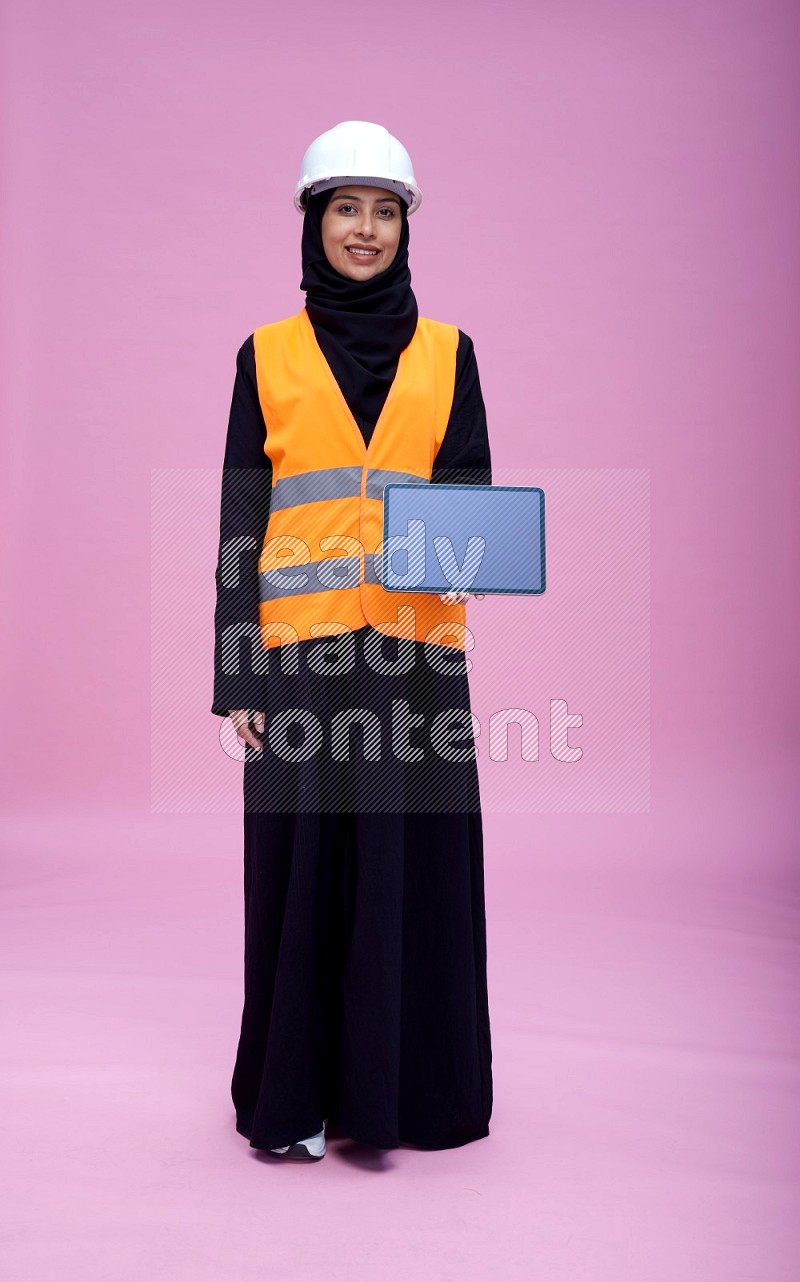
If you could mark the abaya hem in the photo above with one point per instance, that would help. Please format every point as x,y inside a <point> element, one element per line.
<point>243,1128</point>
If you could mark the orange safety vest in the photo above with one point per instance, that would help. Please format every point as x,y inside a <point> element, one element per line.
<point>317,574</point>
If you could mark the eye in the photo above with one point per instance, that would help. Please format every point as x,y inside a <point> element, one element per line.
<point>387,209</point>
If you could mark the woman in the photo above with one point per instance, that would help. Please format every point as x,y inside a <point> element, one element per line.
<point>365,995</point>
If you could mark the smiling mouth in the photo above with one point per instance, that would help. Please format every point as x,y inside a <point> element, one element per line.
<point>361,253</point>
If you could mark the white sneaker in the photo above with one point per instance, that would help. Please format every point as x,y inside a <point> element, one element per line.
<point>310,1150</point>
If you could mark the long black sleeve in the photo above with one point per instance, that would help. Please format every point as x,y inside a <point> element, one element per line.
<point>464,457</point>
<point>244,512</point>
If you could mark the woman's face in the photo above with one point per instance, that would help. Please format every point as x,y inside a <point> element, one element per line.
<point>361,218</point>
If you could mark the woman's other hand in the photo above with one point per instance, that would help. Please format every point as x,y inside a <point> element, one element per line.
<point>458,598</point>
<point>241,718</point>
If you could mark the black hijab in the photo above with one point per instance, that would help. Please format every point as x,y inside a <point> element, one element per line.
<point>361,326</point>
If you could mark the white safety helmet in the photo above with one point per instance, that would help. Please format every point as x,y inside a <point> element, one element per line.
<point>356,151</point>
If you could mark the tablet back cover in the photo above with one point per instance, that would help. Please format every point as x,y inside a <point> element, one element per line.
<point>471,538</point>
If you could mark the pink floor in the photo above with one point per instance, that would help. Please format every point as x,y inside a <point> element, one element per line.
<point>643,981</point>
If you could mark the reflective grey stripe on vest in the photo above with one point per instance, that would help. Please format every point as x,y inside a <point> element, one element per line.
<point>335,483</point>
<point>314,487</point>
<point>369,568</point>
<point>377,477</point>
<point>315,576</point>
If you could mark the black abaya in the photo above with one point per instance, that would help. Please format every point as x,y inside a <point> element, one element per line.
<point>365,992</point>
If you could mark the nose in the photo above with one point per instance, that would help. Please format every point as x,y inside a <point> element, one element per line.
<point>365,226</point>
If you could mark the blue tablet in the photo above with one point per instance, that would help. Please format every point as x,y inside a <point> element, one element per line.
<point>467,538</point>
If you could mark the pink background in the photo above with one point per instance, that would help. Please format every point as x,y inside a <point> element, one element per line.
<point>610,210</point>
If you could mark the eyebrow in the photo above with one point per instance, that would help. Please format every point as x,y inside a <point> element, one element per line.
<point>378,200</point>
